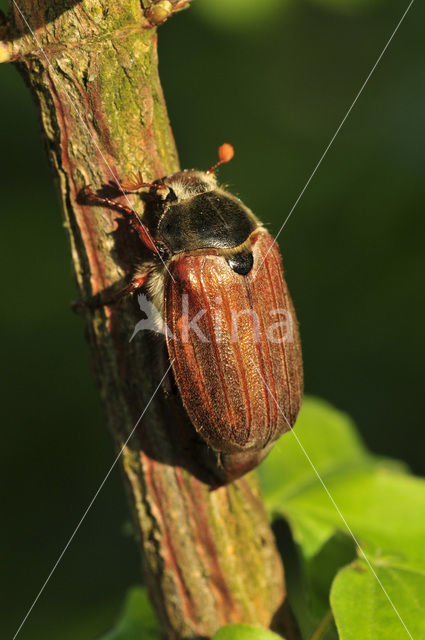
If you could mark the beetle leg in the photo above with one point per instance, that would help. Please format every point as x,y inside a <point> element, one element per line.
<point>134,285</point>
<point>143,233</point>
<point>88,194</point>
<point>98,301</point>
<point>134,219</point>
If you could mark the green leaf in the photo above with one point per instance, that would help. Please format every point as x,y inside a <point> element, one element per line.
<point>376,499</point>
<point>327,433</point>
<point>137,621</point>
<point>320,571</point>
<point>322,480</point>
<point>362,610</point>
<point>244,632</point>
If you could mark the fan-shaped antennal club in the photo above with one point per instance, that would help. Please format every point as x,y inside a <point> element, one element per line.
<point>137,183</point>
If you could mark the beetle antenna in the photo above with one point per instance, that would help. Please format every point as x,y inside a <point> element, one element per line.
<point>137,183</point>
<point>225,154</point>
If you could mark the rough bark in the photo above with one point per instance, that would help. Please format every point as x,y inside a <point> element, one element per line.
<point>208,553</point>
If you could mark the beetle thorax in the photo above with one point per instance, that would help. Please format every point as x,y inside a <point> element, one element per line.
<point>202,215</point>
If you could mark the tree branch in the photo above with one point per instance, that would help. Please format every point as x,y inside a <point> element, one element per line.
<point>209,557</point>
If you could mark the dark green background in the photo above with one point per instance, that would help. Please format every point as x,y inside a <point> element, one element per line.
<point>276,86</point>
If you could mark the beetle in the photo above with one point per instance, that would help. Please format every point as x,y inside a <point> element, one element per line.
<point>236,363</point>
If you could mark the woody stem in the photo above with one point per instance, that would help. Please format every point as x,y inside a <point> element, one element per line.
<point>209,556</point>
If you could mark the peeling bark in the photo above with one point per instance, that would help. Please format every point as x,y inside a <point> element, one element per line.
<point>209,556</point>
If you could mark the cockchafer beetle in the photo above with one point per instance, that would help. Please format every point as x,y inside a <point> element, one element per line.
<point>237,363</point>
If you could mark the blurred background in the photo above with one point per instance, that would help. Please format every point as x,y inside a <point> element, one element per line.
<point>274,78</point>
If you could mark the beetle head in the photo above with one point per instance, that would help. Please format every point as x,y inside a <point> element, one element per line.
<point>186,184</point>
